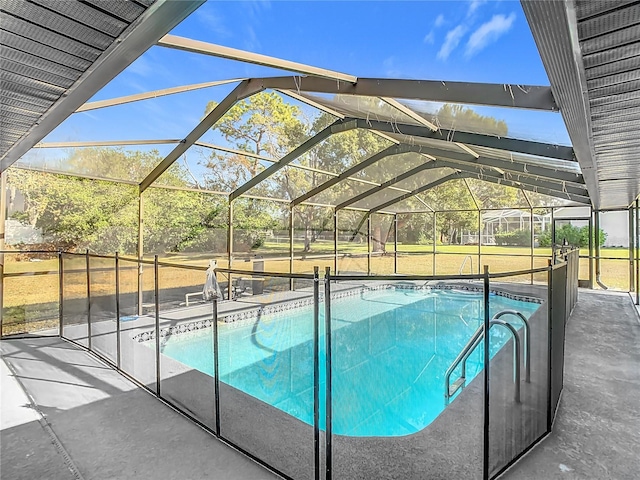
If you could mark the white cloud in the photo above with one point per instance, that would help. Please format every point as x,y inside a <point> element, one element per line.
<point>474,5</point>
<point>251,40</point>
<point>451,41</point>
<point>390,67</point>
<point>439,21</point>
<point>213,21</point>
<point>429,38</point>
<point>488,33</point>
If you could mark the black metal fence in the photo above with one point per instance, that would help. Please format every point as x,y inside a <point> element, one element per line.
<point>284,375</point>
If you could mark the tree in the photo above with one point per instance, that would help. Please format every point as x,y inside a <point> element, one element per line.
<point>491,195</point>
<point>457,207</point>
<point>262,124</point>
<point>265,125</point>
<point>458,117</point>
<point>78,213</point>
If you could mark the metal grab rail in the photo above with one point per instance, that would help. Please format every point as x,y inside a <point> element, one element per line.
<point>475,340</point>
<point>464,262</point>
<point>527,339</point>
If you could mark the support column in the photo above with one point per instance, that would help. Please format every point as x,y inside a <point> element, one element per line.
<point>3,216</point>
<point>532,240</point>
<point>596,237</point>
<point>553,235</point>
<point>140,250</point>
<point>637,252</point>
<point>291,207</point>
<point>230,249</point>
<point>368,244</point>
<point>435,240</point>
<point>395,243</point>
<point>590,250</point>
<point>335,242</point>
<point>632,282</point>
<point>479,238</point>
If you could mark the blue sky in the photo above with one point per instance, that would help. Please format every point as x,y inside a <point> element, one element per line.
<point>475,41</point>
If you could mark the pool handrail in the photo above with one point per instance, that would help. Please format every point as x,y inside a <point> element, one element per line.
<point>526,342</point>
<point>470,347</point>
<point>464,262</point>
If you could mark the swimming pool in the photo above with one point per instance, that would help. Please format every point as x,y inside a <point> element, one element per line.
<point>390,351</point>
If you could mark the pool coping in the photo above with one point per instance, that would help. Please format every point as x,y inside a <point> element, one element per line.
<point>250,315</point>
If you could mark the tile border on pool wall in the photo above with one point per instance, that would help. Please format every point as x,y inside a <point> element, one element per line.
<point>240,319</point>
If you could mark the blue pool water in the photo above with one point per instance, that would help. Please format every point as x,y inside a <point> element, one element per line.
<point>391,349</point>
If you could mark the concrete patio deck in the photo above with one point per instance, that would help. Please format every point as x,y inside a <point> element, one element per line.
<point>81,419</point>
<point>84,420</point>
<point>597,430</point>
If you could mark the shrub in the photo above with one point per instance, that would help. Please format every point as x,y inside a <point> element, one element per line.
<point>575,236</point>
<point>520,238</point>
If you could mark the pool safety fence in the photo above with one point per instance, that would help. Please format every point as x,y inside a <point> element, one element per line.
<point>294,357</point>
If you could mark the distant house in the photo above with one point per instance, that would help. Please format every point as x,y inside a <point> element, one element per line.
<point>504,221</point>
<point>16,233</point>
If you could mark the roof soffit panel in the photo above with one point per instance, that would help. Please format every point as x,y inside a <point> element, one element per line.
<point>554,29</point>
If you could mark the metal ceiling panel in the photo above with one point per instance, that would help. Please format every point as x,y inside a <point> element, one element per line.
<point>607,22</point>
<point>615,99</point>
<point>27,59</point>
<point>15,105</point>
<point>608,56</point>
<point>612,68</point>
<point>610,40</point>
<point>632,108</point>
<point>36,74</point>
<point>45,88</point>
<point>43,17</point>
<point>123,9</point>
<point>43,36</point>
<point>599,7</point>
<point>616,89</point>
<point>39,50</point>
<point>9,89</point>
<point>90,17</point>
<point>609,81</point>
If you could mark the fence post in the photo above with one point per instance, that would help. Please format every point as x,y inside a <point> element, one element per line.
<point>89,332</point>
<point>157,325</point>
<point>60,295</point>
<point>216,365</point>
<point>549,342</point>
<point>118,326</point>
<point>316,373</point>
<point>328,412</point>
<point>486,326</point>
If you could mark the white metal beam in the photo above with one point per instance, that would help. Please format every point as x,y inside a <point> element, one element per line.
<point>196,46</point>
<point>154,94</point>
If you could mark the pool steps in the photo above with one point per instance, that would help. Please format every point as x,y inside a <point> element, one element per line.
<point>461,360</point>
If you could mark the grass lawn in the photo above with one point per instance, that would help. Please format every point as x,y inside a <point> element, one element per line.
<point>32,299</point>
